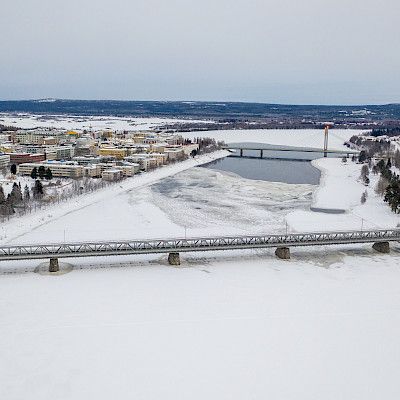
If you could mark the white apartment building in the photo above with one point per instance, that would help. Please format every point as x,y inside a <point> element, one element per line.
<point>60,153</point>
<point>62,170</point>
<point>112,174</point>
<point>4,160</point>
<point>37,136</point>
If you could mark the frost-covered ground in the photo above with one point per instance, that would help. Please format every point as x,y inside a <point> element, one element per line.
<point>234,325</point>
<point>27,121</point>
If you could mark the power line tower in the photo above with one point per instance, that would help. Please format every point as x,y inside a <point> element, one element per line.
<point>326,141</point>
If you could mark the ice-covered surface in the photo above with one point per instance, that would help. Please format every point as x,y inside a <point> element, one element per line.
<point>189,202</point>
<point>27,121</point>
<point>313,138</point>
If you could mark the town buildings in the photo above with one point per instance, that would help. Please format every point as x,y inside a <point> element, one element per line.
<point>108,155</point>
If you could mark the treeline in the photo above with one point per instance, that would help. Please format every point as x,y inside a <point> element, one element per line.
<point>18,198</point>
<point>37,196</point>
<point>385,132</point>
<point>207,145</point>
<point>371,146</point>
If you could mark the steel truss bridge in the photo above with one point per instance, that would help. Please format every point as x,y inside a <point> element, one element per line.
<point>130,247</point>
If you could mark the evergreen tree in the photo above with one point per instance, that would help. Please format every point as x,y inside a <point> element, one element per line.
<point>27,194</point>
<point>362,156</point>
<point>49,174</point>
<point>392,195</point>
<point>13,169</point>
<point>15,196</point>
<point>38,190</point>
<point>364,197</point>
<point>34,173</point>
<point>42,171</point>
<point>380,165</point>
<point>2,197</point>
<point>389,164</point>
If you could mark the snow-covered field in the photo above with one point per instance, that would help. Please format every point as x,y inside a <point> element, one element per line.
<point>235,325</point>
<point>27,121</point>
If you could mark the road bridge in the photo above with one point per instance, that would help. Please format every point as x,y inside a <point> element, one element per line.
<point>174,246</point>
<point>262,150</point>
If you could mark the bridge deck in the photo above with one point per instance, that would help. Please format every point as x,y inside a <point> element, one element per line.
<point>297,150</point>
<point>111,248</point>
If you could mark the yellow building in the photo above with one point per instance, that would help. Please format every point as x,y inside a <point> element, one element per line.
<point>113,152</point>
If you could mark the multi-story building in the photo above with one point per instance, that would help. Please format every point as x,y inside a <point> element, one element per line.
<point>112,174</point>
<point>20,158</point>
<point>60,153</point>
<point>4,160</point>
<point>174,153</point>
<point>118,153</point>
<point>92,171</point>
<point>62,170</point>
<point>38,136</point>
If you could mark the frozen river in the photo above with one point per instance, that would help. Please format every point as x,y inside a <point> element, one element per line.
<point>275,166</point>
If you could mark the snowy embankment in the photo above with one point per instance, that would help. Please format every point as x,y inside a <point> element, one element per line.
<point>18,226</point>
<point>340,190</point>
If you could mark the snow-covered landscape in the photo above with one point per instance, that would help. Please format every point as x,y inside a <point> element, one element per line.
<point>80,123</point>
<point>225,325</point>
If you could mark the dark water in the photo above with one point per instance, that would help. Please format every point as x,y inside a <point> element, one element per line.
<point>276,166</point>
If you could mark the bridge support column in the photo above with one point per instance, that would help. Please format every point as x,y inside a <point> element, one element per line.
<point>54,267</point>
<point>381,247</point>
<point>174,259</point>
<point>283,253</point>
<point>261,153</point>
<point>241,152</point>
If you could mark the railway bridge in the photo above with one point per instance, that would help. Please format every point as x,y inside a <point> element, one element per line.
<point>174,246</point>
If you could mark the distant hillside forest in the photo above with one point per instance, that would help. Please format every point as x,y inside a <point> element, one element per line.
<point>390,132</point>
<point>231,114</point>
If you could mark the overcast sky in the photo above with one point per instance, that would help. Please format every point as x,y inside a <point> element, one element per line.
<point>276,51</point>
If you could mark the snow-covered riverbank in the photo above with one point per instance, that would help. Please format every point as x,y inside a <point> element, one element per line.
<point>341,189</point>
<point>18,226</point>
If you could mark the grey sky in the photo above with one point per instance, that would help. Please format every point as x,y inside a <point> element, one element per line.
<point>281,51</point>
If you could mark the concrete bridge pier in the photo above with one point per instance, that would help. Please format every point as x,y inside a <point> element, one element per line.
<point>261,153</point>
<point>381,247</point>
<point>174,259</point>
<point>241,152</point>
<point>53,266</point>
<point>283,253</point>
